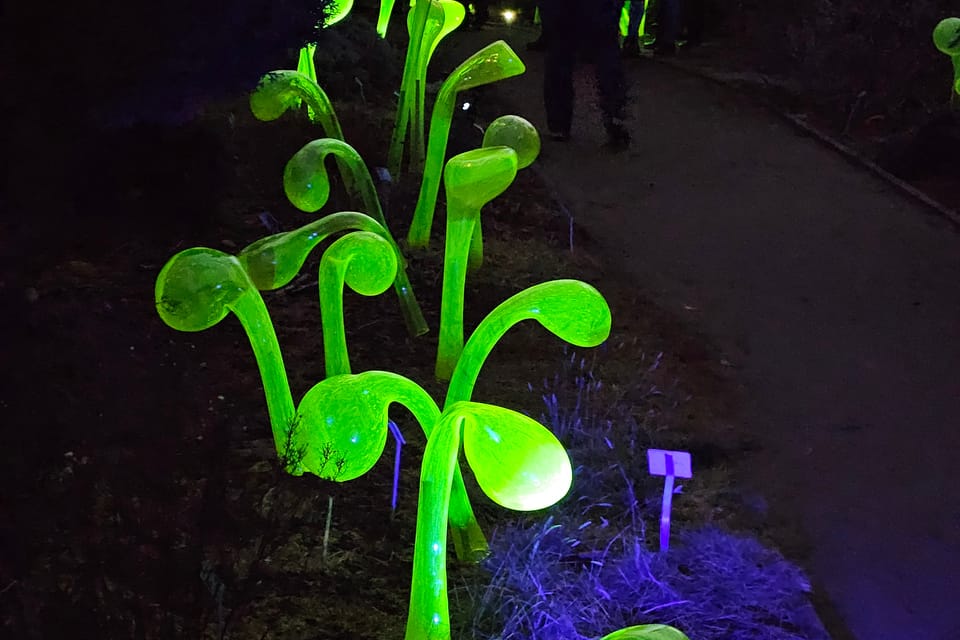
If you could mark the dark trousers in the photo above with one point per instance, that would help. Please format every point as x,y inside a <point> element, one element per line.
<point>568,31</point>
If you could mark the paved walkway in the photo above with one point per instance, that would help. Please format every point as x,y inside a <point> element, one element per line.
<point>834,295</point>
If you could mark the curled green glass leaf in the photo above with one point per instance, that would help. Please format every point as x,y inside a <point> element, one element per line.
<point>946,36</point>
<point>196,287</point>
<point>518,134</point>
<point>572,310</point>
<point>517,461</point>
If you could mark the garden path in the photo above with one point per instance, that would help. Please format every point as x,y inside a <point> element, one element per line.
<point>832,294</point>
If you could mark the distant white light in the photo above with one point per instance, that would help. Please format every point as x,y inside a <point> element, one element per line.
<point>509,15</point>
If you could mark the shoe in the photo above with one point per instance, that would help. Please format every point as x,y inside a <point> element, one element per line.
<point>631,48</point>
<point>537,45</point>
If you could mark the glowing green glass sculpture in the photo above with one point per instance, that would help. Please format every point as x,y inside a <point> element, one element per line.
<point>517,462</point>
<point>444,17</point>
<point>494,62</point>
<point>572,310</point>
<point>342,429</point>
<point>281,90</point>
<point>197,288</point>
<point>518,134</point>
<point>647,632</point>
<point>472,179</point>
<point>307,185</point>
<point>946,37</point>
<point>421,14</point>
<point>274,261</point>
<point>366,263</point>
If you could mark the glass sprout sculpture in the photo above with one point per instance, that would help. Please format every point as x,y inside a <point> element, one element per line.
<point>307,185</point>
<point>494,62</point>
<point>946,37</point>
<point>472,179</point>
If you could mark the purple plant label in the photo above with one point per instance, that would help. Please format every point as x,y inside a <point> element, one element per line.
<point>661,461</point>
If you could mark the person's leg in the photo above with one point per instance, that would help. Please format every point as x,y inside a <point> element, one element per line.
<point>560,33</point>
<point>668,26</point>
<point>611,84</point>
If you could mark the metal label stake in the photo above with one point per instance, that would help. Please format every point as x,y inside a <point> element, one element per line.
<point>671,464</point>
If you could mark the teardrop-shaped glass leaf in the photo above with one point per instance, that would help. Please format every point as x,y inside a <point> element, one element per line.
<point>647,632</point>
<point>516,460</point>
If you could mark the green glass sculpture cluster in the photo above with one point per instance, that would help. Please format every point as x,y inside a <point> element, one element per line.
<point>340,425</point>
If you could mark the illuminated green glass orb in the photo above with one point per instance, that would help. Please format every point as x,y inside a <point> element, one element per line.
<point>196,286</point>
<point>305,178</point>
<point>946,36</point>
<point>342,425</point>
<point>518,134</point>
<point>516,460</point>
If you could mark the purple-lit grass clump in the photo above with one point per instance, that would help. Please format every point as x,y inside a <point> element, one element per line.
<point>589,568</point>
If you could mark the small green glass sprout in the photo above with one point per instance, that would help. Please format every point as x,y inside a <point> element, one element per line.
<point>946,37</point>
<point>197,288</point>
<point>494,62</point>
<point>518,134</point>
<point>472,179</point>
<point>343,420</point>
<point>647,632</point>
<point>307,185</point>
<point>366,263</point>
<point>517,462</point>
<point>572,310</point>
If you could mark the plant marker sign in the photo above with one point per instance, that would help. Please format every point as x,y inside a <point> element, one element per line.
<point>671,464</point>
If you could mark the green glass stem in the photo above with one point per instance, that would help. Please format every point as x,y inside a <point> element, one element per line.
<point>383,18</point>
<point>429,614</point>
<point>197,288</point>
<point>307,186</point>
<point>421,12</point>
<point>570,309</point>
<point>459,234</point>
<point>365,262</point>
<point>475,255</point>
<point>494,62</point>
<point>472,179</point>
